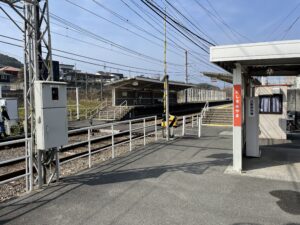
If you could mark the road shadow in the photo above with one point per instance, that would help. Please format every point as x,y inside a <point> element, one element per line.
<point>288,201</point>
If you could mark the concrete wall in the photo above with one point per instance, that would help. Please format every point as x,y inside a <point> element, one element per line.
<point>273,126</point>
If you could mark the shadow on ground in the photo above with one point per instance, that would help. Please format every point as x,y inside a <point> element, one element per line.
<point>288,201</point>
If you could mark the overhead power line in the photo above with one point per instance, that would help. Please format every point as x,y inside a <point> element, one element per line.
<point>162,15</point>
<point>95,59</point>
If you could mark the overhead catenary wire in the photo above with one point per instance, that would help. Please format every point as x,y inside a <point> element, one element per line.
<point>96,59</point>
<point>161,14</point>
<point>137,55</point>
<point>282,21</point>
<point>104,40</point>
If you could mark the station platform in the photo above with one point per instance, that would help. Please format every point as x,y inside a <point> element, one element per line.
<point>179,182</point>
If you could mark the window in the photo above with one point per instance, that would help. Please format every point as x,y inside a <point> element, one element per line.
<point>54,93</point>
<point>270,104</point>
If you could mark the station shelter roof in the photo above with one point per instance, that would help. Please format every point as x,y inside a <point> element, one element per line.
<point>227,77</point>
<point>143,83</point>
<point>279,58</point>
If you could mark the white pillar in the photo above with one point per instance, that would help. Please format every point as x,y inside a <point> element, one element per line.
<point>113,96</point>
<point>237,118</point>
<point>77,103</point>
<point>298,82</point>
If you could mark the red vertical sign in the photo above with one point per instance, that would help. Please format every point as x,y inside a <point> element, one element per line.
<point>237,105</point>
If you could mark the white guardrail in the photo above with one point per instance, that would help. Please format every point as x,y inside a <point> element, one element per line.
<point>193,123</point>
<point>144,125</point>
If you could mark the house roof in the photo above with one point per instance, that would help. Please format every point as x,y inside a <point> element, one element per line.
<point>10,68</point>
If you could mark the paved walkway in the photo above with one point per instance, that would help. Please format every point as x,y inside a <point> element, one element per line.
<point>182,182</point>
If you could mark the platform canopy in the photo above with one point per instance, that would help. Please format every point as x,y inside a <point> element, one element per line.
<point>143,83</point>
<point>226,77</point>
<point>280,58</point>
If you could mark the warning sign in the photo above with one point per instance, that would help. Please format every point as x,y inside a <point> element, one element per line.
<point>237,105</point>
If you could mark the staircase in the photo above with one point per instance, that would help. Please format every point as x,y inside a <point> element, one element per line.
<point>113,113</point>
<point>218,116</point>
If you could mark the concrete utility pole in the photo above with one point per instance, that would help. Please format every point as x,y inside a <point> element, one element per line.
<point>186,67</point>
<point>166,81</point>
<point>186,75</point>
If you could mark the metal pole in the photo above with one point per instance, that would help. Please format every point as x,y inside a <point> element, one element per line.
<point>40,169</point>
<point>200,126</point>
<point>166,80</point>
<point>30,167</point>
<point>57,165</point>
<point>86,86</point>
<point>155,128</point>
<point>77,103</point>
<point>183,125</point>
<point>89,147</point>
<point>144,132</point>
<point>192,120</point>
<point>112,142</point>
<point>130,136</point>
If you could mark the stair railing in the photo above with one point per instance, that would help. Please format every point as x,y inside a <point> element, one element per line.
<point>97,109</point>
<point>123,106</point>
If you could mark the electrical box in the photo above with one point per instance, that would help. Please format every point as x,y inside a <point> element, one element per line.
<point>50,114</point>
<point>11,105</point>
<point>252,127</point>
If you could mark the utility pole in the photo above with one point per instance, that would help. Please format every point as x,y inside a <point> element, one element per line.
<point>186,67</point>
<point>186,75</point>
<point>166,81</point>
<point>37,66</point>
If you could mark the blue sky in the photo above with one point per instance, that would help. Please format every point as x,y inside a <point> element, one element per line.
<point>255,20</point>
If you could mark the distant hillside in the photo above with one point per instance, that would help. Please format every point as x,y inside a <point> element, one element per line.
<point>207,86</point>
<point>6,60</point>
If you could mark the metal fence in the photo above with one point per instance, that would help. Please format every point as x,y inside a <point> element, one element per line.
<point>133,129</point>
<point>192,124</point>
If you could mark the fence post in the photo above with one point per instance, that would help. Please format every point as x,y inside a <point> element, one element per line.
<point>183,125</point>
<point>155,128</point>
<point>192,120</point>
<point>30,166</point>
<point>89,147</point>
<point>26,165</point>
<point>57,165</point>
<point>200,126</point>
<point>130,136</point>
<point>144,132</point>
<point>112,142</point>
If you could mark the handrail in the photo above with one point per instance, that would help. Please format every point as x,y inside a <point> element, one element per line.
<point>98,108</point>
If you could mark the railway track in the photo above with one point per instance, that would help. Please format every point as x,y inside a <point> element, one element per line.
<point>77,145</point>
<point>74,146</point>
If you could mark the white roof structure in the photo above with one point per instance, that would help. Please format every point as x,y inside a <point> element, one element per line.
<point>265,54</point>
